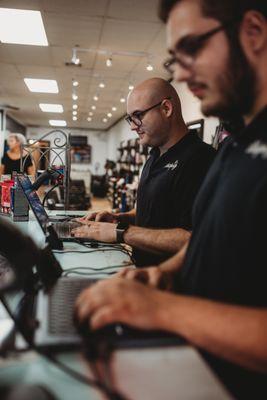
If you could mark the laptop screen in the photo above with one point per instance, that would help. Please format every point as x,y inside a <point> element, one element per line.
<point>33,200</point>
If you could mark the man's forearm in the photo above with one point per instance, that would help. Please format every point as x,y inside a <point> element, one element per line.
<point>237,334</point>
<point>156,240</point>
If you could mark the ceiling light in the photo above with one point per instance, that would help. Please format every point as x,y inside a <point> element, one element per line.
<point>57,122</point>
<point>122,100</point>
<point>149,67</point>
<point>89,119</point>
<point>109,115</point>
<point>93,107</point>
<point>114,108</point>
<point>74,106</point>
<point>91,113</point>
<point>56,108</point>
<point>105,120</point>
<point>95,98</point>
<point>74,97</point>
<point>22,27</point>
<point>41,85</point>
<point>75,83</point>
<point>74,118</point>
<point>74,112</point>
<point>131,87</point>
<point>75,60</point>
<point>102,85</point>
<point>109,62</point>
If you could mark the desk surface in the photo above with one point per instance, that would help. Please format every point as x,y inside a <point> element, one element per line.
<point>145,374</point>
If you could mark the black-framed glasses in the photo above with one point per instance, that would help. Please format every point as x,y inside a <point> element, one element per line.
<point>187,48</point>
<point>137,116</point>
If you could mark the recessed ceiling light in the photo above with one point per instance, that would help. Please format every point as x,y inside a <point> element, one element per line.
<point>74,106</point>
<point>114,108</point>
<point>95,98</point>
<point>74,118</point>
<point>131,87</point>
<point>75,83</point>
<point>93,107</point>
<point>91,113</point>
<point>102,85</point>
<point>54,108</point>
<point>105,120</point>
<point>89,119</point>
<point>149,67</point>
<point>74,113</point>
<point>22,27</point>
<point>109,62</point>
<point>41,85</point>
<point>57,122</point>
<point>122,100</point>
<point>109,115</point>
<point>74,97</point>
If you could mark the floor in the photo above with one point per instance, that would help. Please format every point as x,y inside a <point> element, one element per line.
<point>99,204</point>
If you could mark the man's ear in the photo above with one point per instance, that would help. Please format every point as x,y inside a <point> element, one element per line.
<point>167,107</point>
<point>253,33</point>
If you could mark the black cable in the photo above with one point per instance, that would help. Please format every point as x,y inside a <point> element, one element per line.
<point>49,191</point>
<point>112,395</point>
<point>87,273</point>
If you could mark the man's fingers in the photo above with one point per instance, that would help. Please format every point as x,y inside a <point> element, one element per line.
<point>104,316</point>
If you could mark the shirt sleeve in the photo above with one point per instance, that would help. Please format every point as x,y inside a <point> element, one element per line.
<point>3,160</point>
<point>191,181</point>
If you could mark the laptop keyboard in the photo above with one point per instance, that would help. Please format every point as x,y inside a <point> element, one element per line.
<point>61,304</point>
<point>63,229</point>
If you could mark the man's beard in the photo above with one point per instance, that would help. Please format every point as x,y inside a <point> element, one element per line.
<point>237,88</point>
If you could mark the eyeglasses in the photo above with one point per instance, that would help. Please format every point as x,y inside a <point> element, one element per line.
<point>138,116</point>
<point>187,49</point>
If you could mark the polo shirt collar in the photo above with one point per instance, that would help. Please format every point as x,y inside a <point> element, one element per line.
<point>155,152</point>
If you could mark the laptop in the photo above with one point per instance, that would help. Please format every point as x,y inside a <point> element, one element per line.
<point>62,229</point>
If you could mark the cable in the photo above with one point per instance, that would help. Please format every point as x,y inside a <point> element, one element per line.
<point>111,394</point>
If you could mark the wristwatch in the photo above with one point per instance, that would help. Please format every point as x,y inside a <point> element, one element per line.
<point>120,230</point>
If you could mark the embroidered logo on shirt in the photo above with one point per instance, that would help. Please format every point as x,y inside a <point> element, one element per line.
<point>257,149</point>
<point>172,166</point>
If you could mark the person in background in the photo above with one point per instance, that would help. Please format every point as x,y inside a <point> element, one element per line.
<point>170,179</point>
<point>11,160</point>
<point>219,49</point>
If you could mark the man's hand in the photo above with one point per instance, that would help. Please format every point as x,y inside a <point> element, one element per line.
<point>100,231</point>
<point>152,276</point>
<point>121,300</point>
<point>103,216</point>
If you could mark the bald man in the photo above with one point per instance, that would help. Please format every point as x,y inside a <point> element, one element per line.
<point>170,180</point>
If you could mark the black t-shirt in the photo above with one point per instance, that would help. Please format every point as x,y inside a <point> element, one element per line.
<point>227,258</point>
<point>14,165</point>
<point>168,187</point>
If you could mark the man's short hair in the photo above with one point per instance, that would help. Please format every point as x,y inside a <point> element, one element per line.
<point>222,10</point>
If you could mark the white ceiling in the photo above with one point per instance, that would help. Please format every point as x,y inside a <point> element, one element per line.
<point>113,25</point>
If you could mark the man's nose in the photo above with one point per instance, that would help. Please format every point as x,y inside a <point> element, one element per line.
<point>133,126</point>
<point>182,74</point>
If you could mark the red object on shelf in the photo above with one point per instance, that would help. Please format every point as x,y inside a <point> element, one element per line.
<point>6,194</point>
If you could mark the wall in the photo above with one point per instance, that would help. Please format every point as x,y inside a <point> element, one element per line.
<point>190,109</point>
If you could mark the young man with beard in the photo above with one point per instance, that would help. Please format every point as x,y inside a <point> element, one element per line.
<point>220,50</point>
<point>170,179</point>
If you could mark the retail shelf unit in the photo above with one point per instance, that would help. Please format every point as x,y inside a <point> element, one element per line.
<point>123,183</point>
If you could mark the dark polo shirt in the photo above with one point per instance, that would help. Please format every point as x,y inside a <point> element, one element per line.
<point>168,187</point>
<point>227,258</point>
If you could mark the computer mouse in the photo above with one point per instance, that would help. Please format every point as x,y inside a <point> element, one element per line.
<point>30,392</point>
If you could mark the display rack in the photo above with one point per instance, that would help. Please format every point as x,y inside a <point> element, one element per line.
<point>131,156</point>
<point>51,150</point>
